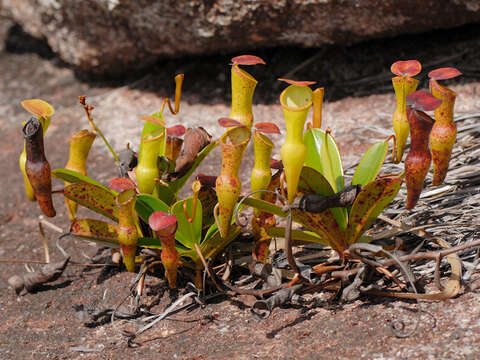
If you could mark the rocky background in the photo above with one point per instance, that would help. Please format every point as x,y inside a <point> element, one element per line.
<point>113,36</point>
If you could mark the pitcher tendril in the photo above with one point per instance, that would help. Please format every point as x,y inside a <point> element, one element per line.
<point>88,109</point>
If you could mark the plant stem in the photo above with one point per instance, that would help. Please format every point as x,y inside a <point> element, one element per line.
<point>87,109</point>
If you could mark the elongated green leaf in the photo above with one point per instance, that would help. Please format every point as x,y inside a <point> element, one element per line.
<point>93,197</point>
<point>323,156</point>
<point>210,232</point>
<point>300,235</point>
<point>370,164</point>
<point>176,185</point>
<point>264,206</point>
<point>147,204</point>
<point>75,177</point>
<point>212,246</point>
<point>96,230</point>
<point>325,225</point>
<point>188,233</point>
<point>215,244</point>
<point>370,202</point>
<point>311,181</point>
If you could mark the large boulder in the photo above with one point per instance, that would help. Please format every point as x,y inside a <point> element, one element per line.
<point>110,36</point>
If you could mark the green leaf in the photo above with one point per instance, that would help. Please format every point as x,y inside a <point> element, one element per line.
<point>311,181</point>
<point>370,164</point>
<point>147,204</point>
<point>75,177</point>
<point>212,246</point>
<point>94,197</point>
<point>215,244</point>
<point>176,185</point>
<point>325,225</point>
<point>164,193</point>
<point>370,202</point>
<point>300,235</point>
<point>96,230</point>
<point>323,156</point>
<point>210,232</point>
<point>188,233</point>
<point>264,206</point>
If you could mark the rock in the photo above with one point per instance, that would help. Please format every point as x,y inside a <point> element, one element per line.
<point>5,24</point>
<point>111,36</point>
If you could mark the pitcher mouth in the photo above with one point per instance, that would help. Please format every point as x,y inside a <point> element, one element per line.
<point>126,196</point>
<point>244,74</point>
<point>404,78</point>
<point>296,98</point>
<point>236,136</point>
<point>31,127</point>
<point>442,89</point>
<point>423,117</point>
<point>264,139</point>
<point>82,134</point>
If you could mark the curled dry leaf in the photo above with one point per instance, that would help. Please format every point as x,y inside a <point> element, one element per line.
<point>153,119</point>
<point>444,73</point>
<point>247,60</point>
<point>34,280</point>
<point>298,83</point>
<point>194,141</point>
<point>423,100</point>
<point>120,184</point>
<point>227,122</point>
<point>38,107</point>
<point>177,130</point>
<point>406,67</point>
<point>267,128</point>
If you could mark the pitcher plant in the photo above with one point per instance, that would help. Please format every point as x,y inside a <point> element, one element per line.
<point>165,227</point>
<point>260,180</point>
<point>261,174</point>
<point>296,101</point>
<point>152,145</point>
<point>243,87</point>
<point>417,162</point>
<point>127,230</point>
<point>228,185</point>
<point>403,84</point>
<point>43,111</point>
<point>444,132</point>
<point>37,167</point>
<point>80,144</point>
